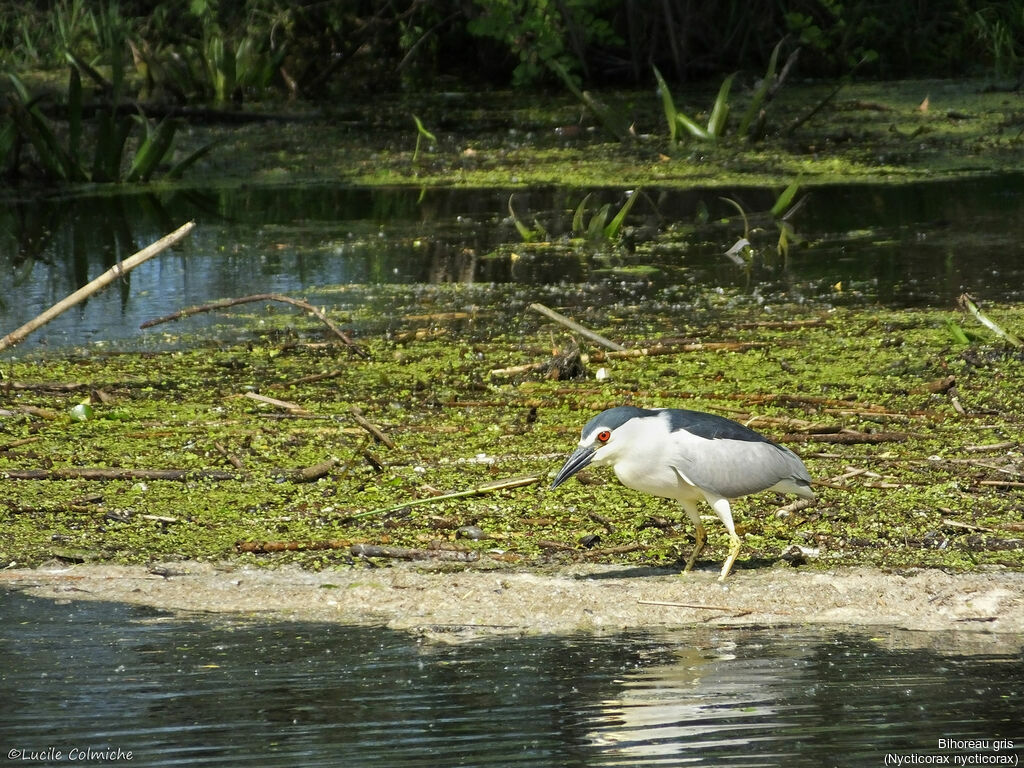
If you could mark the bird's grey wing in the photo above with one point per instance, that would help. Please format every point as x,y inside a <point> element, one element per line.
<point>734,468</point>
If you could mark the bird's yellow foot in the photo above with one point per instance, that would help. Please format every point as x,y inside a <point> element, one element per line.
<point>734,550</point>
<point>698,545</point>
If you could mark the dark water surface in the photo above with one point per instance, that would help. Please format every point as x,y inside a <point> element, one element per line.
<point>897,245</point>
<point>80,676</point>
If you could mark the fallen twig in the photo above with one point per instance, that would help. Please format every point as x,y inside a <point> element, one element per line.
<point>659,349</point>
<point>846,437</point>
<point>303,475</point>
<point>573,325</point>
<point>224,303</point>
<point>401,553</point>
<point>117,473</point>
<point>698,606</point>
<point>101,282</point>
<point>375,431</point>
<point>290,407</point>
<point>497,485</point>
<point>263,547</point>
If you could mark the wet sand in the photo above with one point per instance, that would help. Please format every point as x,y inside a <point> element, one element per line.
<point>592,598</point>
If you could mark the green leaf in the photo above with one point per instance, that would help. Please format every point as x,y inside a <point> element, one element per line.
<point>668,105</point>
<point>615,225</point>
<point>695,130</point>
<point>595,230</point>
<point>720,111</point>
<point>152,150</point>
<point>956,332</point>
<point>179,168</point>
<point>423,131</point>
<point>577,218</point>
<point>81,412</point>
<point>785,199</point>
<point>525,232</point>
<point>761,92</point>
<point>738,207</point>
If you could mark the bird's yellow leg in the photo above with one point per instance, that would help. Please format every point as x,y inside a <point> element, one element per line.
<point>701,535</point>
<point>698,545</point>
<point>734,550</point>
<point>724,512</point>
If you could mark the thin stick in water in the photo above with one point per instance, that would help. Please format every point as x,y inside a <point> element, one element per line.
<point>101,282</point>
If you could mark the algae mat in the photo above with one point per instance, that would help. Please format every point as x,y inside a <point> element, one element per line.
<point>271,451</point>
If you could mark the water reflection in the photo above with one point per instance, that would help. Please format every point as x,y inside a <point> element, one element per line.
<point>221,692</point>
<point>913,244</point>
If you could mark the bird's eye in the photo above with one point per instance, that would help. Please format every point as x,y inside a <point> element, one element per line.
<point>603,436</point>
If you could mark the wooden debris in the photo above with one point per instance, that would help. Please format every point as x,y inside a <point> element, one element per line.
<point>232,459</point>
<point>497,485</point>
<point>378,435</point>
<point>991,447</point>
<point>847,436</point>
<point>283,404</point>
<point>314,472</point>
<point>120,269</point>
<point>573,325</point>
<point>117,473</point>
<point>401,553</point>
<point>224,303</point>
<point>696,606</point>
<point>263,547</point>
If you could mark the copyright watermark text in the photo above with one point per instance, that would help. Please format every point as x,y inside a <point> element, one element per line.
<point>968,752</point>
<point>69,755</point>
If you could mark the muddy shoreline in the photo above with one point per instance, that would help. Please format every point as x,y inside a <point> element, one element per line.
<point>592,598</point>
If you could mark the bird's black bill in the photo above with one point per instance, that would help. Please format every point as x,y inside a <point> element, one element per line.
<point>577,461</point>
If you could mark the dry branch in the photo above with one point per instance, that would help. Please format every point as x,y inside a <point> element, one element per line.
<point>573,325</point>
<point>847,437</point>
<point>117,473</point>
<point>302,475</point>
<point>224,303</point>
<point>101,282</point>
<point>375,431</point>
<point>284,404</point>
<point>497,485</point>
<point>401,553</point>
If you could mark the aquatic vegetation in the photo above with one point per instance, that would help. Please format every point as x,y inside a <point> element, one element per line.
<point>421,134</point>
<point>863,396</point>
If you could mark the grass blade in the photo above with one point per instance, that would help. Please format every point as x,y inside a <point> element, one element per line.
<point>738,207</point>
<point>152,150</point>
<point>615,225</point>
<point>720,111</point>
<point>668,105</point>
<point>785,199</point>
<point>762,91</point>
<point>577,218</point>
<point>525,232</point>
<point>695,130</point>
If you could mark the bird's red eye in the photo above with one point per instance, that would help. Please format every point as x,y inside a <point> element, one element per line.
<point>603,436</point>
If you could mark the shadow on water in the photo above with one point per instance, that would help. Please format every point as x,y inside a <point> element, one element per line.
<point>178,691</point>
<point>897,245</point>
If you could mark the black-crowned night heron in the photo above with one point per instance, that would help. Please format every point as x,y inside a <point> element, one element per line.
<point>688,456</point>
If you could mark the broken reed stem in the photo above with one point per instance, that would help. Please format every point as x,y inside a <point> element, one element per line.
<point>101,282</point>
<point>498,485</point>
<point>573,325</point>
<point>967,303</point>
<point>301,475</point>
<point>224,303</point>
